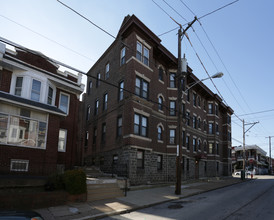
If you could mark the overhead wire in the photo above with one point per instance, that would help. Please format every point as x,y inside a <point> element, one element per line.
<point>219,55</point>
<point>47,38</point>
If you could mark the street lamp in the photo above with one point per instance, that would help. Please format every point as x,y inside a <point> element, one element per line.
<point>216,75</point>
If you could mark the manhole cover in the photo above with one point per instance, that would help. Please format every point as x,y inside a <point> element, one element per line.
<point>175,206</point>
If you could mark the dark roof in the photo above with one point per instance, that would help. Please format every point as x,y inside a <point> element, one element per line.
<point>30,103</point>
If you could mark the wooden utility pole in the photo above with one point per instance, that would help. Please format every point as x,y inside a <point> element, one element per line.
<point>181,77</point>
<point>270,160</point>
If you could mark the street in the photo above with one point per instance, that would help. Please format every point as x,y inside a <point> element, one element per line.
<point>247,200</point>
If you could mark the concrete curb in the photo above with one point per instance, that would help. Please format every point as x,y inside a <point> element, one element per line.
<point>112,213</point>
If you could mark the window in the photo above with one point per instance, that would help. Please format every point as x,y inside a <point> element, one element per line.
<point>140,125</point>
<point>228,119</point>
<point>18,86</point>
<point>105,102</point>
<point>146,56</point>
<point>19,165</point>
<point>119,126</point>
<point>188,95</point>
<point>205,150</point>
<point>199,145</point>
<point>204,105</point>
<point>140,159</point>
<point>123,56</point>
<point>194,119</point>
<point>187,118</point>
<point>217,148</point>
<point>187,142</point>
<point>139,51</point>
<point>141,88</point>
<point>194,99</point>
<point>64,102</point>
<point>187,164</point>
<point>199,123</point>
<point>172,111</point>
<point>35,90</point>
<point>216,110</point>
<point>22,131</point>
<point>199,101</point>
<point>62,140</point>
<point>172,80</point>
<point>229,136</point>
<point>194,141</point>
<point>210,148</point>
<point>159,162</point>
<point>160,133</point>
<point>160,103</point>
<point>210,128</point>
<point>121,91</point>
<point>161,71</point>
<point>210,108</point>
<point>89,87</point>
<point>88,113</point>
<point>98,79</point>
<point>86,138</point>
<point>172,136</point>
<point>142,53</point>
<point>94,135</point>
<point>204,125</point>
<point>50,96</point>
<point>103,138</point>
<point>107,71</point>
<point>217,129</point>
<point>96,107</point>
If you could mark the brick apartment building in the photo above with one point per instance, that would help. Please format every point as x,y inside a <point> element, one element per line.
<point>131,113</point>
<point>38,113</point>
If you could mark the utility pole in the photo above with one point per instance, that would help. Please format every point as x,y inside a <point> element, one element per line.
<point>270,160</point>
<point>181,87</point>
<point>244,132</point>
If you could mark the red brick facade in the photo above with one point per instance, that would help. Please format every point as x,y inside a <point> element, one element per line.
<point>40,155</point>
<point>147,157</point>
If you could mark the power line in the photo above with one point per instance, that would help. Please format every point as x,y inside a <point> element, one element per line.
<point>174,10</point>
<point>86,19</point>
<point>201,16</point>
<point>218,9</point>
<point>254,113</point>
<point>35,32</point>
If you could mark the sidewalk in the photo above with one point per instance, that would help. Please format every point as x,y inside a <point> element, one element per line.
<point>136,198</point>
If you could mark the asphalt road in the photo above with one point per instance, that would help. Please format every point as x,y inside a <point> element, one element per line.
<point>247,200</point>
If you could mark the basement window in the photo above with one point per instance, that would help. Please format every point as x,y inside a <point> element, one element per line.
<point>19,165</point>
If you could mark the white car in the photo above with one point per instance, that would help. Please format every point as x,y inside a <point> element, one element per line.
<point>238,173</point>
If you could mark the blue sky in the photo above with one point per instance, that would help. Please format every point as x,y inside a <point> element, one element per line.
<point>242,35</point>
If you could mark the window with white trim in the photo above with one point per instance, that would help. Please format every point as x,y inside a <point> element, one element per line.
<point>62,141</point>
<point>19,130</point>
<point>18,86</point>
<point>172,136</point>
<point>140,125</point>
<point>50,96</point>
<point>64,102</point>
<point>35,90</point>
<point>141,88</point>
<point>142,53</point>
<point>121,91</point>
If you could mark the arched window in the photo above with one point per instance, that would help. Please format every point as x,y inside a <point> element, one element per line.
<point>160,103</point>
<point>89,87</point>
<point>161,73</point>
<point>160,133</point>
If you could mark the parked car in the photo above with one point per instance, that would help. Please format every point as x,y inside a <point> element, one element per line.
<point>238,173</point>
<point>20,215</point>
